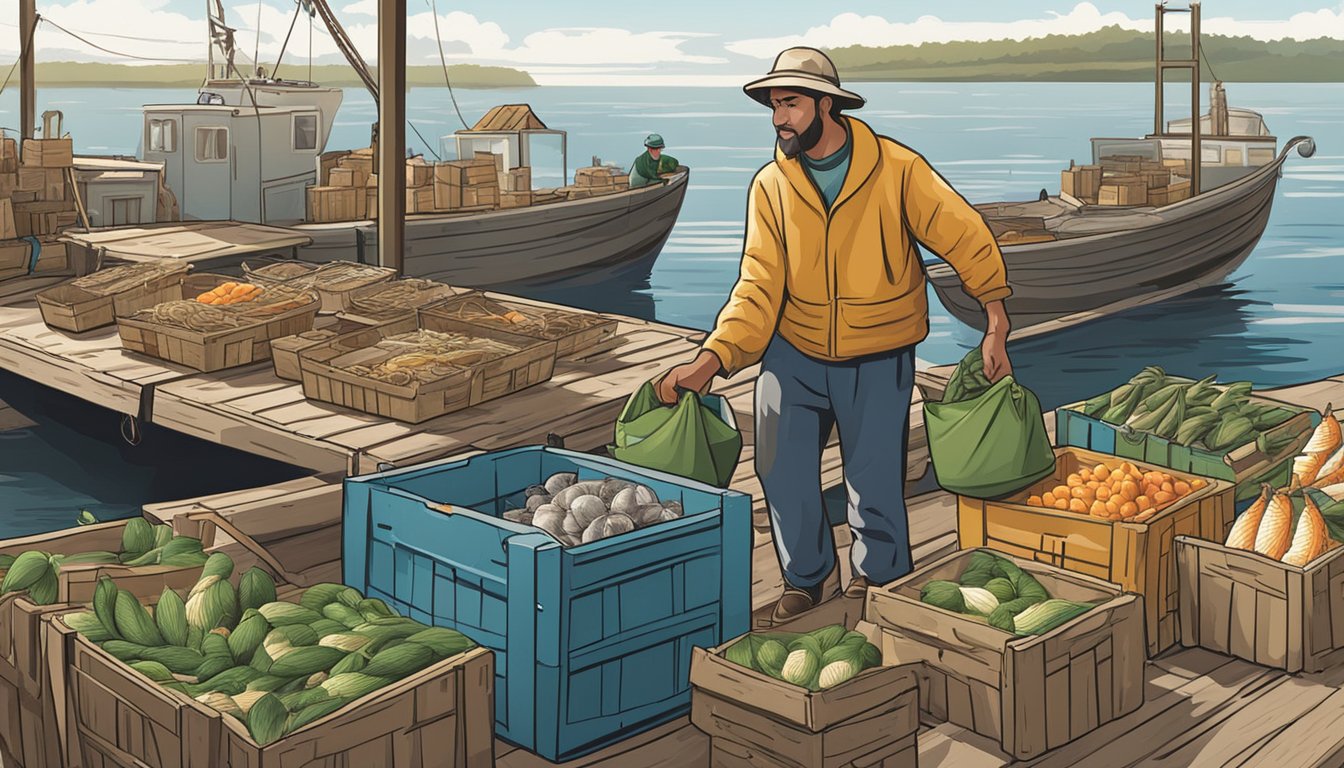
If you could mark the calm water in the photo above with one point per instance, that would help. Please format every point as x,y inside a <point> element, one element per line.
<point>1277,322</point>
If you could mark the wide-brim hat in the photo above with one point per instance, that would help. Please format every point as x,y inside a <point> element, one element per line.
<point>654,141</point>
<point>806,68</point>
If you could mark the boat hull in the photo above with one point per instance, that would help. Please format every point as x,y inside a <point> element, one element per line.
<point>543,243</point>
<point>1179,248</point>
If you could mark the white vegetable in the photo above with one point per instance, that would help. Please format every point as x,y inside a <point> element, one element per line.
<point>979,600</point>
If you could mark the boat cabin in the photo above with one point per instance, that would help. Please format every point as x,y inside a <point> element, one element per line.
<point>245,153</point>
<point>514,131</point>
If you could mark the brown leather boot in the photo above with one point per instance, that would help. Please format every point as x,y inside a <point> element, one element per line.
<point>858,588</point>
<point>796,601</point>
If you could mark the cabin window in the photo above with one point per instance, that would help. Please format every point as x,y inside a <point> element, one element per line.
<point>162,135</point>
<point>305,133</point>
<point>212,145</point>
<point>124,210</point>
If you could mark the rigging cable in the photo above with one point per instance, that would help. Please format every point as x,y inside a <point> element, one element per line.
<point>27,46</point>
<point>1207,63</point>
<point>434,8</point>
<point>275,71</point>
<point>256,52</point>
<point>92,44</point>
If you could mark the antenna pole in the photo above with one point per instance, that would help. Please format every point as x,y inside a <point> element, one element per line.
<point>28,70</point>
<point>1196,131</point>
<point>1157,106</point>
<point>391,132</point>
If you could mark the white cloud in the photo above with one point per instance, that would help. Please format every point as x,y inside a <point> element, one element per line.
<point>853,29</point>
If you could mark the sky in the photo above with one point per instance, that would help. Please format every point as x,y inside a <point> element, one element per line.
<point>618,41</point>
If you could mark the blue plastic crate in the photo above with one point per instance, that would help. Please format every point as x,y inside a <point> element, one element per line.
<point>593,643</point>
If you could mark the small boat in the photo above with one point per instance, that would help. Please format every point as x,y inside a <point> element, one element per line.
<point>251,148</point>
<point>1071,260</point>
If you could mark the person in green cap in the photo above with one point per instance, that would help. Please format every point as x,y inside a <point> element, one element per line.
<point>650,166</point>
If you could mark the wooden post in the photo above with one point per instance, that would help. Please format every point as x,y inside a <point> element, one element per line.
<point>1158,127</point>
<point>1196,145</point>
<point>27,70</point>
<point>391,132</point>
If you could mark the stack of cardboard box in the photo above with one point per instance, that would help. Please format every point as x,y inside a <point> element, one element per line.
<point>41,202</point>
<point>349,190</point>
<point>1133,180</point>
<point>468,183</point>
<point>1082,182</point>
<point>515,188</point>
<point>597,180</point>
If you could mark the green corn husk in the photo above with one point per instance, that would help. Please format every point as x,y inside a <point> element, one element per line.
<point>1193,429</point>
<point>373,608</point>
<point>255,589</point>
<point>316,597</point>
<point>311,714</point>
<point>382,635</point>
<point>214,644</point>
<point>97,557</point>
<point>270,683</point>
<point>47,588</point>
<point>305,661</point>
<point>162,535</point>
<point>183,545</point>
<point>345,641</point>
<point>303,699</point>
<point>105,605</point>
<point>280,613</point>
<point>194,637</point>
<point>353,662</point>
<point>216,606</point>
<point>233,680</point>
<point>25,571</point>
<point>354,684</point>
<point>186,560</point>
<point>1233,395</point>
<point>123,650</point>
<point>1233,431</point>
<point>1172,421</point>
<point>297,635</point>
<point>154,671</point>
<point>213,665</point>
<point>344,614</point>
<point>170,616</point>
<point>266,720</point>
<point>350,597</point>
<point>148,558</point>
<point>88,625</point>
<point>137,537</point>
<point>182,661</point>
<point>133,621</point>
<point>261,660</point>
<point>247,638</point>
<point>218,564</point>
<point>1097,405</point>
<point>324,627</point>
<point>444,642</point>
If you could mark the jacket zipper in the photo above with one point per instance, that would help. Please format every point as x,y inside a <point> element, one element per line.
<point>833,289</point>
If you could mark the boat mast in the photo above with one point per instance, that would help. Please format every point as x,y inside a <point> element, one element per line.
<point>28,70</point>
<point>1192,64</point>
<point>391,132</point>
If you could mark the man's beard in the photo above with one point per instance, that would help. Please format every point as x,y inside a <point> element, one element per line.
<point>799,143</point>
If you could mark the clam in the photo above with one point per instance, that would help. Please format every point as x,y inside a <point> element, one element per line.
<point>536,490</point>
<point>645,495</point>
<point>608,525</point>
<point>538,500</point>
<point>610,487</point>
<point>586,509</point>
<point>571,525</point>
<point>625,501</point>
<point>515,515</point>
<point>551,521</point>
<point>648,514</point>
<point>674,507</point>
<point>559,481</point>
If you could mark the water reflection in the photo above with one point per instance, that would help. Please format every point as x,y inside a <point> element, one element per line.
<point>622,290</point>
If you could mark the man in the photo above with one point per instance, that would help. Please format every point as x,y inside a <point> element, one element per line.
<point>831,300</point>
<point>650,166</point>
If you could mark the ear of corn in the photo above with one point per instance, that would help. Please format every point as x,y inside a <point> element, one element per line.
<point>280,613</point>
<point>270,683</point>
<point>105,605</point>
<point>303,699</point>
<point>373,607</point>
<point>261,660</point>
<point>182,661</point>
<point>233,680</point>
<point>353,662</point>
<point>324,627</point>
<point>170,616</point>
<point>221,702</point>
<point>154,671</point>
<point>353,684</point>
<point>316,597</point>
<point>47,588</point>
<point>213,665</point>
<point>315,712</point>
<point>88,625</point>
<point>255,589</point>
<point>26,570</point>
<point>343,613</point>
<point>345,641</point>
<point>218,564</point>
<point>247,637</point>
<point>443,641</point>
<point>266,720</point>
<point>245,700</point>
<point>123,650</point>
<point>301,662</point>
<point>133,621</point>
<point>137,537</point>
<point>162,535</point>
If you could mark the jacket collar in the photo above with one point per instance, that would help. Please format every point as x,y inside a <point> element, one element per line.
<point>862,162</point>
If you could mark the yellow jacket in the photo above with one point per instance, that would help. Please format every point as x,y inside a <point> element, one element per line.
<point>849,282</point>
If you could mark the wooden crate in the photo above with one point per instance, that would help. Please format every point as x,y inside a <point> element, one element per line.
<point>1140,557</point>
<point>325,378</point>
<point>1081,181</point>
<point>285,352</point>
<point>329,204</point>
<point>440,716</point>
<point>756,720</point>
<point>464,173</point>
<point>420,200</point>
<point>53,188</point>
<point>32,180</point>
<point>9,155</point>
<point>593,329</point>
<point>335,295</point>
<point>515,199</point>
<point>16,258</point>
<point>7,230</point>
<point>216,350</point>
<point>381,302</point>
<point>29,669</point>
<point>1117,191</point>
<point>418,174</point>
<point>1243,604</point>
<point>516,180</point>
<point>1031,694</point>
<point>490,158</point>
<point>1171,193</point>
<point>71,307</point>
<point>345,177</point>
<point>48,153</point>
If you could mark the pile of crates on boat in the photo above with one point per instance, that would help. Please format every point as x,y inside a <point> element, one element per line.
<point>596,180</point>
<point>1124,180</point>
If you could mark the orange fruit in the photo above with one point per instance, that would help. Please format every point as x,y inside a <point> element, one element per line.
<point>1098,509</point>
<point>1035,501</point>
<point>1061,504</point>
<point>1103,493</point>
<point>1182,488</point>
<point>1093,484</point>
<point>1162,498</point>
<point>204,298</point>
<point>1197,483</point>
<point>1074,480</point>
<point>1085,474</point>
<point>1101,469</point>
<point>1168,486</point>
<point>1088,496</point>
<point>1048,500</point>
<point>1129,509</point>
<point>1144,503</point>
<point>226,286</point>
<point>1116,476</point>
<point>1077,491</point>
<point>1077,505</point>
<point>1129,489</point>
<point>1112,508</point>
<point>1061,491</point>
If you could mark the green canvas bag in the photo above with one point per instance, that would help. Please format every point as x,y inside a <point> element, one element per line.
<point>696,438</point>
<point>987,440</point>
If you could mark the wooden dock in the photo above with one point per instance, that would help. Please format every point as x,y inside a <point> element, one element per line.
<point>1201,708</point>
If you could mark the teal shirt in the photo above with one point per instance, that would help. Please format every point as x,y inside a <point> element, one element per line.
<point>829,172</point>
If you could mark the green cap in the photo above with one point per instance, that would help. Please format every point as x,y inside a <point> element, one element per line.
<point>654,141</point>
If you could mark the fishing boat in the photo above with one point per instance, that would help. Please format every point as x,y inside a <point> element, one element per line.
<point>251,147</point>
<point>1071,260</point>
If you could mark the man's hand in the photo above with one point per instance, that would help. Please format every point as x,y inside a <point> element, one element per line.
<point>994,349</point>
<point>694,376</point>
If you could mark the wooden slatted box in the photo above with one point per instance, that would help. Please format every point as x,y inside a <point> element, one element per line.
<point>325,377</point>
<point>591,328</point>
<point>217,350</point>
<point>1140,557</point>
<point>73,307</point>
<point>118,718</point>
<point>756,720</point>
<point>1031,694</point>
<point>1243,604</point>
